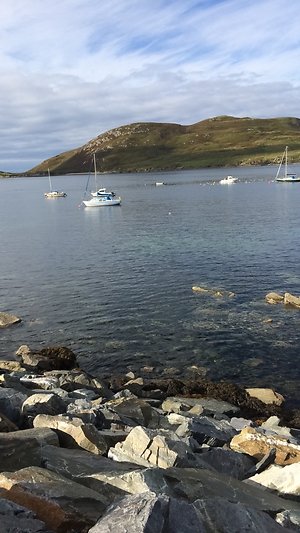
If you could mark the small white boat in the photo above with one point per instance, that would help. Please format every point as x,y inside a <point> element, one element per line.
<point>100,201</point>
<point>286,177</point>
<point>158,183</point>
<point>228,180</point>
<point>101,197</point>
<point>51,193</point>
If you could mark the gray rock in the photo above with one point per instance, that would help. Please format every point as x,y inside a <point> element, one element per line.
<point>84,409</point>
<point>7,425</point>
<point>17,519</point>
<point>46,403</point>
<point>207,430</point>
<point>221,515</point>
<point>289,519</point>
<point>36,381</point>
<point>143,513</point>
<point>84,394</point>
<point>240,423</point>
<point>272,424</point>
<point>137,410</point>
<point>20,449</point>
<point>148,513</point>
<point>59,502</point>
<point>207,406</point>
<point>77,379</point>
<point>153,447</point>
<point>192,484</point>
<point>264,463</point>
<point>233,464</point>
<point>11,402</point>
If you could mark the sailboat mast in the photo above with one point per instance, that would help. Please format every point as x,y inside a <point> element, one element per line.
<point>50,184</point>
<point>286,150</point>
<point>280,164</point>
<point>95,170</point>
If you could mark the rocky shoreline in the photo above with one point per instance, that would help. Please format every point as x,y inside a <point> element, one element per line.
<point>137,453</point>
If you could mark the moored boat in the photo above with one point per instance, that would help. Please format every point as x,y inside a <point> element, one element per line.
<point>52,193</point>
<point>228,180</point>
<point>101,197</point>
<point>286,177</point>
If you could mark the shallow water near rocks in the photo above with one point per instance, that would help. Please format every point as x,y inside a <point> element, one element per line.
<point>115,284</point>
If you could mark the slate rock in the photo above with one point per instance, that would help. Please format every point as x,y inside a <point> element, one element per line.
<point>17,519</point>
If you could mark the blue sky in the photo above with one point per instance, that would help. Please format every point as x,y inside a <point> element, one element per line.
<point>72,69</point>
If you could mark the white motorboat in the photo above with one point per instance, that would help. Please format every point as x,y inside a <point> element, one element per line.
<point>228,180</point>
<point>52,193</point>
<point>101,197</point>
<point>100,201</point>
<point>286,177</point>
<point>158,183</point>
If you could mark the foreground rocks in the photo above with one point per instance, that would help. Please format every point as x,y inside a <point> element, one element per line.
<point>82,454</point>
<point>287,299</point>
<point>8,320</point>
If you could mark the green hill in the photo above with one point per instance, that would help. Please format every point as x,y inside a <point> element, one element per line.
<point>216,142</point>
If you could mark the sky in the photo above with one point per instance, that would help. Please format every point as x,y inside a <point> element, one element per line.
<point>73,69</point>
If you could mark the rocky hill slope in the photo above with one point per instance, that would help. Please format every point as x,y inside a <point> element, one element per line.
<point>218,141</point>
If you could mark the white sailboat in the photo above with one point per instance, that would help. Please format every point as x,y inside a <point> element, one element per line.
<point>101,197</point>
<point>52,193</point>
<point>228,180</point>
<point>286,177</point>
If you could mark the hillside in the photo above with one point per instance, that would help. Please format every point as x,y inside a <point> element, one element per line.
<point>216,142</point>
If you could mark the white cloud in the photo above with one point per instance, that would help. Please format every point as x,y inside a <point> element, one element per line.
<point>73,69</point>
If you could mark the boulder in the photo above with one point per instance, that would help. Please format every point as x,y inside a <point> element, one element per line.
<point>36,381</point>
<point>7,425</point>
<point>153,448</point>
<point>290,299</point>
<point>198,406</point>
<point>19,449</point>
<point>8,320</point>
<point>73,432</point>
<point>11,402</point>
<point>220,514</point>
<point>14,518</point>
<point>11,366</point>
<point>45,403</point>
<point>63,505</point>
<point>284,480</point>
<point>148,513</point>
<point>109,478</point>
<point>257,443</point>
<point>140,412</point>
<point>196,483</point>
<point>225,461</point>
<point>206,430</point>
<point>217,293</point>
<point>268,396</point>
<point>274,298</point>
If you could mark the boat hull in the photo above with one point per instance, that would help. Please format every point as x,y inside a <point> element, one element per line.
<point>97,201</point>
<point>289,180</point>
<point>228,180</point>
<point>55,194</point>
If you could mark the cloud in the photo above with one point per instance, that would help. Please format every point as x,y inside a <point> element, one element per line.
<point>74,69</point>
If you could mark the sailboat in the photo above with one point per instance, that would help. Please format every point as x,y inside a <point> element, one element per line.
<point>228,180</point>
<point>51,193</point>
<point>101,197</point>
<point>286,177</point>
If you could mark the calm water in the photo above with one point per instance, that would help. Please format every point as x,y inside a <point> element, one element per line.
<point>115,284</point>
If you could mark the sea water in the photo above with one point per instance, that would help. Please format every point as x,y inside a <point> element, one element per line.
<point>114,284</point>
